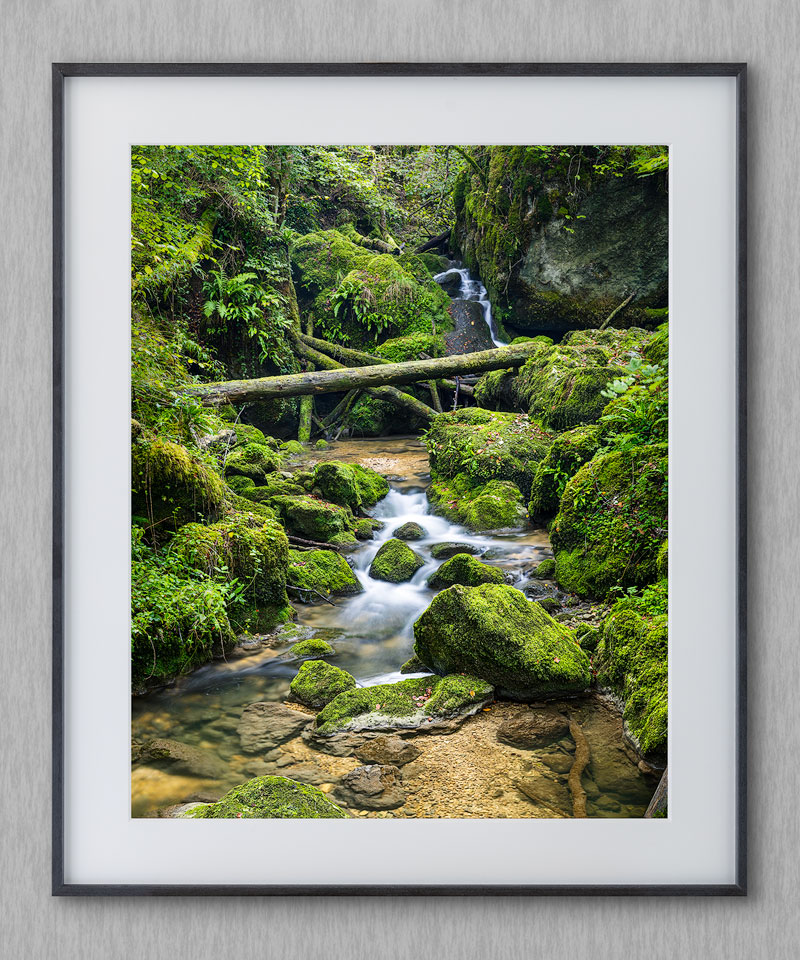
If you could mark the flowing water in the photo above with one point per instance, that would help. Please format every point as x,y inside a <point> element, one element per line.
<point>472,289</point>
<point>467,773</point>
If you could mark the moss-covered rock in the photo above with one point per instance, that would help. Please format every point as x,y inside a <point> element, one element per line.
<point>275,486</point>
<point>365,529</point>
<point>243,486</point>
<point>321,444</point>
<point>449,548</point>
<point>612,522</point>
<point>170,485</point>
<point>395,562</point>
<point>466,570</point>
<point>406,704</point>
<point>331,269</point>
<point>254,460</point>
<point>246,433</point>
<point>253,551</point>
<point>570,450</point>
<point>402,349</point>
<point>410,531</point>
<point>292,448</point>
<point>317,683</point>
<point>270,798</point>
<point>483,445</point>
<point>311,518</point>
<point>414,665</point>
<point>312,649</point>
<point>322,570</point>
<point>631,658</point>
<point>561,386</point>
<point>496,505</point>
<point>546,570</point>
<point>349,485</point>
<point>495,632</point>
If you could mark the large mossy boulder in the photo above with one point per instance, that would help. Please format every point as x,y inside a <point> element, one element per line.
<point>329,267</point>
<point>318,682</point>
<point>496,505</point>
<point>170,485</point>
<point>395,562</point>
<point>311,518</point>
<point>253,551</point>
<point>483,445</point>
<point>496,633</point>
<point>270,798</point>
<point>631,658</point>
<point>466,570</point>
<point>324,571</point>
<point>404,705</point>
<point>349,485</point>
<point>612,522</point>
<point>562,385</point>
<point>570,450</point>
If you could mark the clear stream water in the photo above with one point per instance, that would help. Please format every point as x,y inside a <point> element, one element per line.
<point>372,634</point>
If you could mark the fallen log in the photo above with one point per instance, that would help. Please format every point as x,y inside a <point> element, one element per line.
<point>343,379</point>
<point>436,241</point>
<point>359,358</point>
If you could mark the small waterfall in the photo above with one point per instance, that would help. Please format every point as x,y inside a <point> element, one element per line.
<point>472,289</point>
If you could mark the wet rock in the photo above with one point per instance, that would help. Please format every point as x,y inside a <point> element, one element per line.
<point>471,331</point>
<point>264,726</point>
<point>466,570</point>
<point>546,570</point>
<point>538,728</point>
<point>410,531</point>
<point>395,562</point>
<point>306,773</point>
<point>414,665</point>
<point>549,604</point>
<point>187,759</point>
<point>341,745</point>
<point>318,682</point>
<point>311,649</point>
<point>388,750</point>
<point>443,551</point>
<point>451,284</point>
<point>321,572</point>
<point>374,787</point>
<point>558,762</point>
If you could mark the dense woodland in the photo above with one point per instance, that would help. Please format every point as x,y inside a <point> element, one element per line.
<point>284,301</point>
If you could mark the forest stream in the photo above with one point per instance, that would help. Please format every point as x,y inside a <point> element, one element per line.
<point>464,773</point>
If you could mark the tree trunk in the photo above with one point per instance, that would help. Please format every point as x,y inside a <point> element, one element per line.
<point>359,378</point>
<point>307,402</point>
<point>434,242</point>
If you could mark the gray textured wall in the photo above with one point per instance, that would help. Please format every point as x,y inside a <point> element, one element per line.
<point>34,33</point>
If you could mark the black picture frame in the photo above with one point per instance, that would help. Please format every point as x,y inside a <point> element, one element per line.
<point>63,71</point>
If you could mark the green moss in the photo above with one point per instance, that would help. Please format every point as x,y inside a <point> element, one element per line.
<point>349,485</point>
<point>410,531</point>
<point>312,649</point>
<point>321,444</point>
<point>632,659</point>
<point>485,445</point>
<point>271,798</point>
<point>344,539</point>
<point>449,548</point>
<point>545,570</point>
<point>242,485</point>
<point>401,349</point>
<point>570,450</point>
<point>370,417</point>
<point>414,665</point>
<point>255,552</point>
<point>395,562</point>
<point>657,348</point>
<point>364,529</point>
<point>323,570</point>
<point>662,561</point>
<point>254,460</point>
<point>494,389</point>
<point>275,486</point>
<point>496,505</point>
<point>292,448</point>
<point>612,522</point>
<point>494,632</point>
<point>311,518</point>
<point>246,506</point>
<point>317,683</point>
<point>170,485</point>
<point>466,570</point>
<point>408,703</point>
<point>245,433</point>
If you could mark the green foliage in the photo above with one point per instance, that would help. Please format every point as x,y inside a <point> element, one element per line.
<point>569,451</point>
<point>638,413</point>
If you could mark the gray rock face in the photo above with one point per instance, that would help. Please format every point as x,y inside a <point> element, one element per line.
<point>388,750</point>
<point>264,726</point>
<point>192,760</point>
<point>471,331</point>
<point>375,787</point>
<point>539,728</point>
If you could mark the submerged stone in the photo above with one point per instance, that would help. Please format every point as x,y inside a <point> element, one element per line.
<point>186,758</point>
<point>395,562</point>
<point>264,726</point>
<point>374,787</point>
<point>466,570</point>
<point>493,631</point>
<point>388,750</point>
<point>538,728</point>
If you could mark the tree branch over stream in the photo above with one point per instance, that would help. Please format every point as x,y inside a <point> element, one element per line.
<point>343,379</point>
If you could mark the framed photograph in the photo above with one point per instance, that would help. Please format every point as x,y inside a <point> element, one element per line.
<point>399,424</point>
